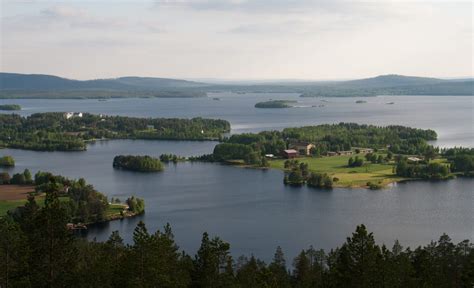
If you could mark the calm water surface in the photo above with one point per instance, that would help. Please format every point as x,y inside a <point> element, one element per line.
<point>450,116</point>
<point>252,209</point>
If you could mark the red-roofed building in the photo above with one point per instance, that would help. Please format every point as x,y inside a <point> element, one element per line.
<point>290,153</point>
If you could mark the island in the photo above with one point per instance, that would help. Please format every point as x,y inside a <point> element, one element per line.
<point>137,163</point>
<point>276,104</point>
<point>82,203</point>
<point>70,131</point>
<point>10,107</point>
<point>360,102</point>
<point>345,155</point>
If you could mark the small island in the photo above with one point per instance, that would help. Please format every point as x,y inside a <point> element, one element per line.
<point>361,101</point>
<point>138,163</point>
<point>276,104</point>
<point>10,107</point>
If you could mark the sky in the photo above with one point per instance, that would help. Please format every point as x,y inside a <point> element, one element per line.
<point>237,39</point>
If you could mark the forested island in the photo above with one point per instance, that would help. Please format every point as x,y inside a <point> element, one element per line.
<point>276,104</point>
<point>38,250</point>
<point>137,163</point>
<point>69,131</point>
<point>10,107</point>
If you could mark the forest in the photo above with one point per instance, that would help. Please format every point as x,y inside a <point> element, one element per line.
<point>137,163</point>
<point>63,132</point>
<point>37,250</point>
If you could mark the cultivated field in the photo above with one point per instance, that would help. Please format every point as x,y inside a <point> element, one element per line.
<point>12,196</point>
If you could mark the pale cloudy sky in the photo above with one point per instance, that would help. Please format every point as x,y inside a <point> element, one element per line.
<point>237,39</point>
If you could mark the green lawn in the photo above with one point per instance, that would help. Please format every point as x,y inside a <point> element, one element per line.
<point>6,205</point>
<point>336,166</point>
<point>114,210</point>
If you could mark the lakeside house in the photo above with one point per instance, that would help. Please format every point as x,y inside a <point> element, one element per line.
<point>303,148</point>
<point>69,115</point>
<point>290,153</point>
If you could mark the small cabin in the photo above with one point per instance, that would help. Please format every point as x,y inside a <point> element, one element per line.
<point>303,148</point>
<point>290,153</point>
<point>345,153</point>
<point>331,153</point>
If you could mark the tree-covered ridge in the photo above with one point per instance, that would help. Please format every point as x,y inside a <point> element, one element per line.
<point>138,163</point>
<point>37,250</point>
<point>68,132</point>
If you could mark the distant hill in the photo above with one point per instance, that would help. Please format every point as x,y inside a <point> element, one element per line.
<point>392,80</point>
<point>13,85</point>
<point>14,81</point>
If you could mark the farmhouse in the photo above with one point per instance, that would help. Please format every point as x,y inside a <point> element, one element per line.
<point>290,153</point>
<point>303,148</point>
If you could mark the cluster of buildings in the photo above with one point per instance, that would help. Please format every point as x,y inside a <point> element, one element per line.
<point>70,115</point>
<point>304,149</point>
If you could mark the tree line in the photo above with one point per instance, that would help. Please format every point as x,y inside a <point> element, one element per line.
<point>54,131</point>
<point>37,250</point>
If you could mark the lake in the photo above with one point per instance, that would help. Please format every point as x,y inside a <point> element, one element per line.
<point>250,208</point>
<point>450,116</point>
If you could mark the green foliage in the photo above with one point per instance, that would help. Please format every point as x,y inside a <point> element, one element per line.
<point>431,170</point>
<point>356,162</point>
<point>136,205</point>
<point>166,158</point>
<point>37,250</point>
<point>4,178</point>
<point>10,107</point>
<point>275,104</point>
<point>7,161</point>
<point>53,131</point>
<point>137,163</point>
<point>319,180</point>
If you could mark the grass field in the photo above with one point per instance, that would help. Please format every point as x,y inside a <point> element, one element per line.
<point>114,210</point>
<point>348,177</point>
